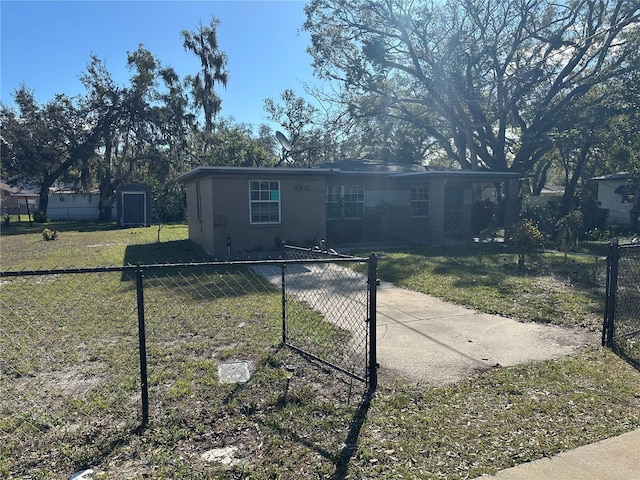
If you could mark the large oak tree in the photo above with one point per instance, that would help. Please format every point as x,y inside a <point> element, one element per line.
<point>41,143</point>
<point>486,80</point>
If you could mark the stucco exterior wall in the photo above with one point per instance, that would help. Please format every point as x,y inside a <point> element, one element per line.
<point>200,212</point>
<point>220,213</point>
<point>224,206</point>
<point>387,212</point>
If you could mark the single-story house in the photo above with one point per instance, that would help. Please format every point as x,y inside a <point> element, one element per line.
<point>615,195</point>
<point>236,209</point>
<point>15,201</point>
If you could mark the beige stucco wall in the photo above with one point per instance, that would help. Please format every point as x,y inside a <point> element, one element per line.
<point>396,224</point>
<point>225,210</point>
<point>225,213</point>
<point>200,229</point>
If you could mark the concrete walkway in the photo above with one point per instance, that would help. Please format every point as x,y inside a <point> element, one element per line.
<point>426,341</point>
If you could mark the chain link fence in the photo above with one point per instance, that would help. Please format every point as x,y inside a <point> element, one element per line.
<point>347,307</point>
<point>621,328</point>
<point>88,357</point>
<point>68,365</point>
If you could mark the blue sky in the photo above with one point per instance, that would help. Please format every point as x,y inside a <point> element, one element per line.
<point>47,44</point>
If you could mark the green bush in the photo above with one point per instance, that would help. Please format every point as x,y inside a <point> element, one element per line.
<point>544,216</point>
<point>49,234</point>
<point>568,230</point>
<point>39,216</point>
<point>526,237</point>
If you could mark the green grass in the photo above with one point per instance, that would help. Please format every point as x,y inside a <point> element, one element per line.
<point>70,392</point>
<point>501,419</point>
<point>549,289</point>
<point>94,244</point>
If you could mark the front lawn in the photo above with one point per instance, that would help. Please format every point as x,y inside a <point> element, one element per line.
<point>287,423</point>
<point>485,277</point>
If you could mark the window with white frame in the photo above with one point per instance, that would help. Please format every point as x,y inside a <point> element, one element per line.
<point>264,201</point>
<point>345,201</point>
<point>420,201</point>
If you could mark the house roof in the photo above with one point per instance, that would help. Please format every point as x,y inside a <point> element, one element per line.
<point>613,176</point>
<point>5,187</point>
<point>351,165</point>
<point>469,175</point>
<point>357,167</point>
<point>17,191</point>
<point>204,171</point>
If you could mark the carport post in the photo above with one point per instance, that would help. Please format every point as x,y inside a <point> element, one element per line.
<point>373,288</point>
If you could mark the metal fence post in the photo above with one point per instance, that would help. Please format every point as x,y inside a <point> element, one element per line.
<point>284,304</point>
<point>611,288</point>
<point>373,286</point>
<point>142,342</point>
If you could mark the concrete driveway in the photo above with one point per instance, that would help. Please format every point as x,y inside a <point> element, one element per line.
<point>421,339</point>
<point>426,341</point>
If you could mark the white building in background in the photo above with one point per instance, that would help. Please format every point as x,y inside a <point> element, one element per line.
<point>615,195</point>
<point>68,205</point>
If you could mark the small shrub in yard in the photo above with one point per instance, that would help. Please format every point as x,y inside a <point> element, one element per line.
<point>39,216</point>
<point>568,228</point>
<point>49,234</point>
<point>526,237</point>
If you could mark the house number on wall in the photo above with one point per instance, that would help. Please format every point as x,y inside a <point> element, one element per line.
<point>302,188</point>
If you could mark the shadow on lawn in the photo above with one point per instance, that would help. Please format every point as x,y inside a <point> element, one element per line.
<point>350,445</point>
<point>165,267</point>
<point>340,459</point>
<point>176,251</point>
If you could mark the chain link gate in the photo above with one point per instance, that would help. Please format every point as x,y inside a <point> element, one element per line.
<point>621,326</point>
<point>320,286</point>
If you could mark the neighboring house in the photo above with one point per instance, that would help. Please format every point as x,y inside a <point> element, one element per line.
<point>550,193</point>
<point>15,201</point>
<point>71,205</point>
<point>133,205</point>
<point>235,209</point>
<point>615,195</point>
<point>8,202</point>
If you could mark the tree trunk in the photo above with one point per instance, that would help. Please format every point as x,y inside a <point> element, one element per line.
<point>540,178</point>
<point>570,188</point>
<point>512,204</point>
<point>44,199</point>
<point>105,205</point>
<point>635,210</point>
